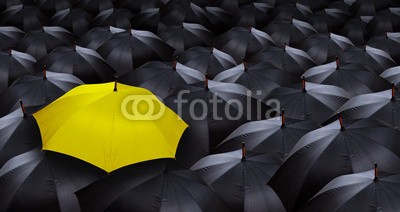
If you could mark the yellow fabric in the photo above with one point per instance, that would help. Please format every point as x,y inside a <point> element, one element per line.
<point>87,123</point>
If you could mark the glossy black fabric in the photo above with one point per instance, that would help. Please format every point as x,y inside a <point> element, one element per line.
<point>94,6</point>
<point>329,20</point>
<point>385,21</point>
<point>39,43</point>
<point>148,19</point>
<point>177,11</point>
<point>128,50</point>
<point>358,192</point>
<point>118,17</point>
<point>10,37</point>
<point>356,30</point>
<point>268,136</point>
<point>368,7</point>
<point>161,77</point>
<point>18,134</point>
<point>157,185</point>
<point>253,14</point>
<point>84,63</point>
<point>98,36</point>
<point>288,10</point>
<point>390,43</point>
<point>241,182</point>
<point>329,152</point>
<point>213,120</point>
<point>44,181</point>
<point>36,92</point>
<point>74,20</point>
<point>50,7</point>
<point>137,6</point>
<point>25,17</point>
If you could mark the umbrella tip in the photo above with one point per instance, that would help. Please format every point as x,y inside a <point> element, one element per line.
<point>341,122</point>
<point>22,107</point>
<point>206,83</point>
<point>251,28</point>
<point>212,48</point>
<point>283,118</point>
<point>393,91</point>
<point>115,85</point>
<point>376,171</point>
<point>337,62</point>
<point>303,83</point>
<point>284,46</point>
<point>243,151</point>
<point>44,72</point>
<point>10,51</point>
<point>174,63</point>
<point>244,64</point>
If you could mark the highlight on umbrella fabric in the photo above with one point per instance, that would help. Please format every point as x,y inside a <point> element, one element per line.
<point>89,123</point>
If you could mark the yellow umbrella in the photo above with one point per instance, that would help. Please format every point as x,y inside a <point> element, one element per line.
<point>110,128</point>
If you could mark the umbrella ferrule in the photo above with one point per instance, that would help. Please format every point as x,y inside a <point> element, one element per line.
<point>22,108</point>
<point>115,86</point>
<point>283,118</point>
<point>393,92</point>
<point>243,151</point>
<point>44,72</point>
<point>303,84</point>
<point>376,171</point>
<point>341,122</point>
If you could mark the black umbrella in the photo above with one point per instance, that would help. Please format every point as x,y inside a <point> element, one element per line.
<point>161,77</point>
<point>19,134</point>
<point>36,91</point>
<point>209,61</point>
<point>290,59</point>
<point>242,43</point>
<point>382,106</point>
<point>385,21</point>
<point>392,75</point>
<point>212,110</point>
<point>289,32</point>
<point>310,101</point>
<point>50,7</point>
<point>366,191</point>
<point>117,17</point>
<point>389,43</point>
<point>355,30</point>
<point>324,48</point>
<point>289,10</point>
<point>14,64</point>
<point>44,181</point>
<point>40,42</point>
<point>137,6</point>
<point>158,185</point>
<point>272,136</point>
<point>10,37</point>
<point>94,6</point>
<point>373,58</point>
<point>354,78</point>
<point>253,14</point>
<point>8,3</point>
<point>315,5</point>
<point>186,36</point>
<point>84,63</point>
<point>98,36</point>
<point>368,7</point>
<point>128,50</point>
<point>328,152</point>
<point>329,20</point>
<point>24,17</point>
<point>148,19</point>
<point>177,11</point>
<point>220,20</point>
<point>74,20</point>
<point>239,178</point>
<point>260,78</point>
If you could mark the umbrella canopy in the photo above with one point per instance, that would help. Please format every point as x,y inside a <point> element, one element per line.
<point>368,7</point>
<point>310,101</point>
<point>44,181</point>
<point>239,178</point>
<point>158,185</point>
<point>392,75</point>
<point>272,136</point>
<point>50,7</point>
<point>14,64</point>
<point>137,6</point>
<point>213,110</point>
<point>84,63</point>
<point>210,61</point>
<point>36,91</point>
<point>24,17</point>
<point>356,31</point>
<point>329,19</point>
<point>290,32</point>
<point>288,10</point>
<point>328,152</point>
<point>186,36</point>
<point>40,42</point>
<point>19,134</point>
<point>98,36</point>
<point>117,17</point>
<point>290,59</point>
<point>373,58</point>
<point>94,123</point>
<point>242,43</point>
<point>161,77</point>
<point>10,37</point>
<point>260,78</point>
<point>95,6</point>
<point>253,14</point>
<point>381,105</point>
<point>148,19</point>
<point>389,43</point>
<point>220,20</point>
<point>74,20</point>
<point>177,11</point>
<point>324,48</point>
<point>354,78</point>
<point>385,21</point>
<point>315,5</point>
<point>128,50</point>
<point>366,191</point>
